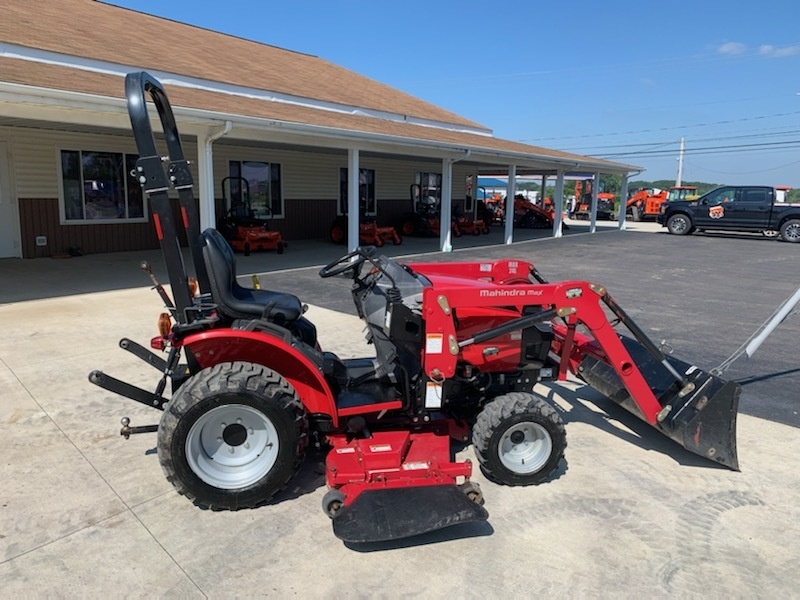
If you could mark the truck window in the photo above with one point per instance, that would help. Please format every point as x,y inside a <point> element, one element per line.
<point>720,196</point>
<point>755,196</point>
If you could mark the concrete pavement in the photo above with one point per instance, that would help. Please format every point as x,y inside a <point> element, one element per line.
<point>85,513</point>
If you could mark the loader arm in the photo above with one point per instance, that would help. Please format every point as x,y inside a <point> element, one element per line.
<point>693,407</point>
<point>577,301</point>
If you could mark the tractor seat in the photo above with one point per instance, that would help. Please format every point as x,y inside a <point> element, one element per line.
<point>239,302</point>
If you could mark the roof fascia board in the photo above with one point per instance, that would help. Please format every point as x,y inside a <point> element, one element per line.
<point>109,68</point>
<point>69,107</point>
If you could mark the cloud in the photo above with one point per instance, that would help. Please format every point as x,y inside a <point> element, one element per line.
<point>776,52</point>
<point>732,48</point>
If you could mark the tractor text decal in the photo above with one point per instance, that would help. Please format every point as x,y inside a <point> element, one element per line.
<point>716,212</point>
<point>509,293</point>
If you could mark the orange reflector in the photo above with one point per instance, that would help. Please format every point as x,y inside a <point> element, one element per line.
<point>157,223</point>
<point>164,324</point>
<point>193,286</point>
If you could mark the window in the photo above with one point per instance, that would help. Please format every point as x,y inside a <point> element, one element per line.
<point>429,187</point>
<point>469,194</point>
<point>367,205</point>
<point>264,182</point>
<point>98,186</point>
<point>721,195</point>
<point>756,196</point>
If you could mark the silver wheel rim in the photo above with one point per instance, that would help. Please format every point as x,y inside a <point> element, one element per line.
<point>525,448</point>
<point>232,446</point>
<point>792,232</point>
<point>679,224</point>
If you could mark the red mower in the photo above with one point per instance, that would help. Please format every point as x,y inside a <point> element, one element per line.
<point>369,233</point>
<point>245,230</point>
<point>459,348</point>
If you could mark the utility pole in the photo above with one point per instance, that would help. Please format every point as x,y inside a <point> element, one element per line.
<point>680,166</point>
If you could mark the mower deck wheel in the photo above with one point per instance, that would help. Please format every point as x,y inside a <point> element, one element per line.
<point>519,439</point>
<point>232,436</point>
<point>332,502</point>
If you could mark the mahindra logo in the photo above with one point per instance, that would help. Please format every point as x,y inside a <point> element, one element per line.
<point>508,293</point>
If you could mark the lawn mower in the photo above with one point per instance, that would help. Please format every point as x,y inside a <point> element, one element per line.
<point>459,348</point>
<point>425,218</point>
<point>369,232</point>
<point>244,230</point>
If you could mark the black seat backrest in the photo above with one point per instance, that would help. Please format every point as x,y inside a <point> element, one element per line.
<point>235,301</point>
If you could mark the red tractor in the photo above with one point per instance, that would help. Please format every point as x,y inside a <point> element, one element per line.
<point>459,348</point>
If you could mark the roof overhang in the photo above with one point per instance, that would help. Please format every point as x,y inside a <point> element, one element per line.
<point>39,106</point>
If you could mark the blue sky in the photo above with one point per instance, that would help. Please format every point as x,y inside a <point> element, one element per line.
<point>619,79</point>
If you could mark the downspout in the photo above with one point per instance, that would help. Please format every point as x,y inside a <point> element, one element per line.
<point>208,217</point>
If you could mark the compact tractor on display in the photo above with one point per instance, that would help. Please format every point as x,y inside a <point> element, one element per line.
<point>459,348</point>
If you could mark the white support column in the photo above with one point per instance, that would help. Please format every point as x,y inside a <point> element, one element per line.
<point>353,215</point>
<point>558,205</point>
<point>205,174</point>
<point>623,199</point>
<point>595,189</point>
<point>446,206</point>
<point>511,191</point>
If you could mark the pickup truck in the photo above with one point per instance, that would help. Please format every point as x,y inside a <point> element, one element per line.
<point>734,208</point>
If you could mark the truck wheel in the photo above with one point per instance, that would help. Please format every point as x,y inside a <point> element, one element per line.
<point>679,224</point>
<point>519,439</point>
<point>790,231</point>
<point>232,436</point>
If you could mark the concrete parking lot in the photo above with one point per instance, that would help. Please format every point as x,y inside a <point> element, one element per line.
<point>85,513</point>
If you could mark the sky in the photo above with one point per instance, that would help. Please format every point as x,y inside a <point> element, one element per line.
<point>621,80</point>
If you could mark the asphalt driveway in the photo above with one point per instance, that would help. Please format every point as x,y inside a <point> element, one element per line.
<point>85,513</point>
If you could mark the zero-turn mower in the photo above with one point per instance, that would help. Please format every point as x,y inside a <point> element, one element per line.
<point>459,348</point>
<point>244,230</point>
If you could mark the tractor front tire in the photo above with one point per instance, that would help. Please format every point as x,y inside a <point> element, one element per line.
<point>232,436</point>
<point>680,224</point>
<point>519,439</point>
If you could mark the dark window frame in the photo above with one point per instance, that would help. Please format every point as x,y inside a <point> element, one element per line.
<point>96,187</point>
<point>273,184</point>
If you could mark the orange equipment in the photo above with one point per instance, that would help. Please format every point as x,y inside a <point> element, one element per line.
<point>646,202</point>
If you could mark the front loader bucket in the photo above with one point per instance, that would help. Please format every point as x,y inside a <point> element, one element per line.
<point>393,514</point>
<point>702,420</point>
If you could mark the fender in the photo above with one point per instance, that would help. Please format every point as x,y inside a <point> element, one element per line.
<point>210,348</point>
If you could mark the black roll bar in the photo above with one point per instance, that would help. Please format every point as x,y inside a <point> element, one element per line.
<point>155,184</point>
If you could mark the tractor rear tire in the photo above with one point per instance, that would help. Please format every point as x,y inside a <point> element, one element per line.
<point>519,439</point>
<point>790,231</point>
<point>680,224</point>
<point>232,436</point>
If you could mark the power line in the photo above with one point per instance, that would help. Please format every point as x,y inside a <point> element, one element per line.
<point>789,144</point>
<point>675,128</point>
<point>675,142</point>
<point>797,162</point>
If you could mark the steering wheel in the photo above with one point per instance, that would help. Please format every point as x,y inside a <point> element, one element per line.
<point>345,263</point>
